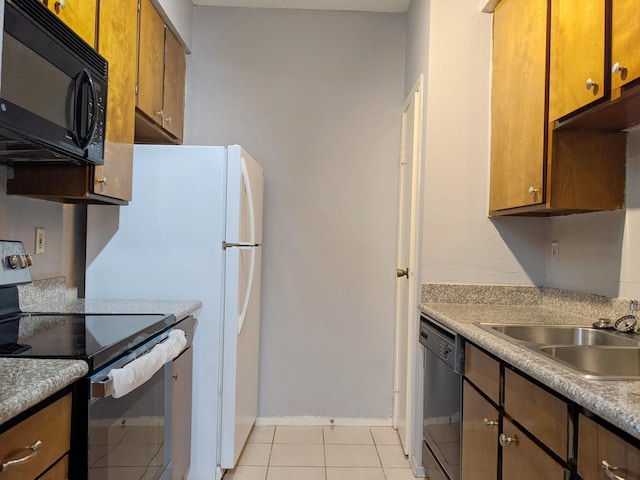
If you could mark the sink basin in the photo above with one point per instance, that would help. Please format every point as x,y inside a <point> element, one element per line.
<point>593,353</point>
<point>612,363</point>
<point>564,335</point>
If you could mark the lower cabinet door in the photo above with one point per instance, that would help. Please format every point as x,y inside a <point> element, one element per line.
<point>524,460</point>
<point>479,436</point>
<point>596,445</point>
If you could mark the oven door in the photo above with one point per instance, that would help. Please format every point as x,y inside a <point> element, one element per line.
<point>130,436</point>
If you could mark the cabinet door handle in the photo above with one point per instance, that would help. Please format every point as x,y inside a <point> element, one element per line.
<point>489,423</point>
<point>617,68</point>
<point>608,470</point>
<point>19,461</point>
<point>504,440</point>
<point>590,83</point>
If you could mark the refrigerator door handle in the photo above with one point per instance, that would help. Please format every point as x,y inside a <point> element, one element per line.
<point>247,295</point>
<point>247,186</point>
<point>226,245</point>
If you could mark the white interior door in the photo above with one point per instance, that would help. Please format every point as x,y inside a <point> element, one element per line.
<point>406,283</point>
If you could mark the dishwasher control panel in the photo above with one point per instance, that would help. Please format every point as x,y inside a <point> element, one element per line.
<point>439,341</point>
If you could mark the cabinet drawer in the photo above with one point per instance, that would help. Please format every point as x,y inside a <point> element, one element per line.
<point>483,371</point>
<point>60,471</point>
<point>596,443</point>
<point>540,412</point>
<point>52,426</point>
<point>524,460</point>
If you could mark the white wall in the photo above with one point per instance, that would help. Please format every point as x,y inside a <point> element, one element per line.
<point>599,251</point>
<point>316,98</point>
<point>179,15</point>
<point>460,244</point>
<point>63,224</point>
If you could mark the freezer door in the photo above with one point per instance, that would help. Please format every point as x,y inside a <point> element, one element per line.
<point>245,183</point>
<point>241,349</point>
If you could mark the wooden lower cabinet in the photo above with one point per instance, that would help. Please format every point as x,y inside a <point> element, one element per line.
<point>483,371</point>
<point>181,415</point>
<point>50,426</point>
<point>522,459</point>
<point>60,471</point>
<point>479,436</point>
<point>544,415</point>
<point>597,444</point>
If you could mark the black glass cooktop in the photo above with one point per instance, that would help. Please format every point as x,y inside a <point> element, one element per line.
<point>96,339</point>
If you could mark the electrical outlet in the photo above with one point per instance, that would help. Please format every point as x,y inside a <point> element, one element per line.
<point>39,241</point>
<point>555,252</point>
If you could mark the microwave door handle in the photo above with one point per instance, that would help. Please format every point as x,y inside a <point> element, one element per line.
<point>85,79</point>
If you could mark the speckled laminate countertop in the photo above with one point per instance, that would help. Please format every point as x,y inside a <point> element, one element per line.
<point>618,402</point>
<point>26,382</point>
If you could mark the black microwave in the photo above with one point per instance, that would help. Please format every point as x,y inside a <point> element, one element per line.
<point>53,90</point>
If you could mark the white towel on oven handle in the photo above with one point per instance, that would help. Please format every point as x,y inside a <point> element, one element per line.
<point>137,372</point>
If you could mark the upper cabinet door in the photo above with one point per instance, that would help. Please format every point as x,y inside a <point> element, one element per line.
<point>577,69</point>
<point>118,28</point>
<point>518,119</point>
<point>79,15</point>
<point>150,62</point>
<point>174,80</point>
<point>625,38</point>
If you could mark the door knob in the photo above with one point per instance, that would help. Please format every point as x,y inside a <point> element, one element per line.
<point>504,440</point>
<point>402,272</point>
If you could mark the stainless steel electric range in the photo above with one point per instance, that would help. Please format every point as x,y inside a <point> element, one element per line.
<point>130,433</point>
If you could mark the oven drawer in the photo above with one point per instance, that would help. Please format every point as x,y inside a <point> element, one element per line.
<point>51,426</point>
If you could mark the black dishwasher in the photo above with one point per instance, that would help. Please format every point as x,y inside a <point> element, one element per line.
<point>443,360</point>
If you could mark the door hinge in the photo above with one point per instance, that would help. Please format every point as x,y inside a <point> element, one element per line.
<point>139,5</point>
<point>136,89</point>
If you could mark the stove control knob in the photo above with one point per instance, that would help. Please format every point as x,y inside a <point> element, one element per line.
<point>13,262</point>
<point>19,261</point>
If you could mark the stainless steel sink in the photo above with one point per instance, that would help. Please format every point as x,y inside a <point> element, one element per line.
<point>565,335</point>
<point>615,363</point>
<point>593,353</point>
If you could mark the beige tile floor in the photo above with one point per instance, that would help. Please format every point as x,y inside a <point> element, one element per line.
<point>322,453</point>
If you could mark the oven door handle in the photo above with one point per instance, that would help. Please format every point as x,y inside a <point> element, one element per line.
<point>118,382</point>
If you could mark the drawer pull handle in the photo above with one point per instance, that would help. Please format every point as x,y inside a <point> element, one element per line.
<point>504,440</point>
<point>489,423</point>
<point>35,447</point>
<point>608,470</point>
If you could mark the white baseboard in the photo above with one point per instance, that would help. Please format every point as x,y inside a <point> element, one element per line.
<point>313,421</point>
<point>418,470</point>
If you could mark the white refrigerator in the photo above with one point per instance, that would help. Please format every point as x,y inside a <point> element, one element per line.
<point>193,231</point>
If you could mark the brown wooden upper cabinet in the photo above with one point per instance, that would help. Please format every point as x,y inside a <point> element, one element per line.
<point>111,182</point>
<point>577,70</point>
<point>537,169</point>
<point>79,15</point>
<point>625,61</point>
<point>161,80</point>
<point>518,103</point>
